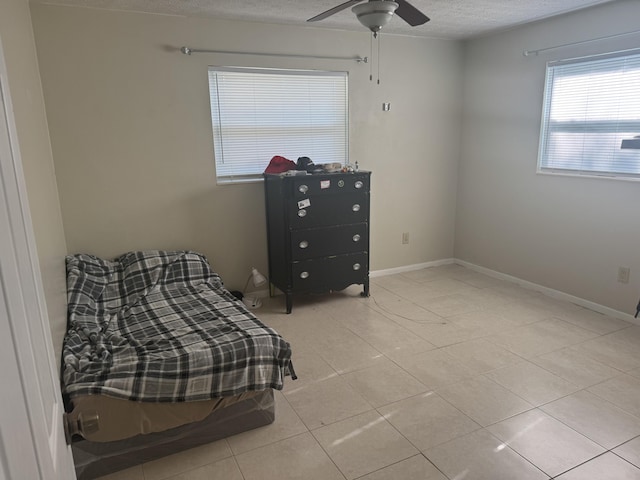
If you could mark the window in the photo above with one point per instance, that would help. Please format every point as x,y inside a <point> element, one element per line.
<point>259,113</point>
<point>590,106</point>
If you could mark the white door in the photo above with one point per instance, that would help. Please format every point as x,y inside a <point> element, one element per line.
<point>32,444</point>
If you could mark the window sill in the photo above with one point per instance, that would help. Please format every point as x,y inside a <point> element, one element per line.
<point>239,180</point>
<point>602,176</point>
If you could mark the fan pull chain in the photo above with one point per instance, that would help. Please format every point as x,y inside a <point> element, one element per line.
<point>379,44</point>
<point>371,57</point>
<point>376,37</point>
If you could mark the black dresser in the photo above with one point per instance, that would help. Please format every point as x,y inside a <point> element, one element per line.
<point>317,232</point>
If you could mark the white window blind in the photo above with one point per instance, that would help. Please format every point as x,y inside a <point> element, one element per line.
<point>259,113</point>
<point>590,106</point>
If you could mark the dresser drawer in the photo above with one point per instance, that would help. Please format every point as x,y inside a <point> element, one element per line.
<point>316,211</point>
<point>324,241</point>
<point>330,273</point>
<point>328,184</point>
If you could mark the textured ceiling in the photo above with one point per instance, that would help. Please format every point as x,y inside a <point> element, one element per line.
<point>455,19</point>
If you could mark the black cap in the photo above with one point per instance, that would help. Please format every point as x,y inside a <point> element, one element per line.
<point>305,163</point>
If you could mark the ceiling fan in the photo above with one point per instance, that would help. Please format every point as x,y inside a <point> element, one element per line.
<point>375,14</point>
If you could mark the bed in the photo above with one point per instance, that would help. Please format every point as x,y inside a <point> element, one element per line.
<point>159,357</point>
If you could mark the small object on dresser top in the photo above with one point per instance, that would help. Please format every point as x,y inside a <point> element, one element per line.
<point>279,164</point>
<point>305,163</point>
<point>332,167</point>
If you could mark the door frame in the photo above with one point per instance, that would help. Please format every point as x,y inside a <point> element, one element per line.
<point>32,441</point>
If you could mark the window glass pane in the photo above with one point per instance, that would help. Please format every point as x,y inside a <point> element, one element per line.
<point>257,114</point>
<point>590,106</point>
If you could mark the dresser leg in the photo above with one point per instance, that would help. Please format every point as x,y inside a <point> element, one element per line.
<point>289,301</point>
<point>365,292</point>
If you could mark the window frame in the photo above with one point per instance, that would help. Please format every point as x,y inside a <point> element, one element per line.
<point>588,126</point>
<point>340,96</point>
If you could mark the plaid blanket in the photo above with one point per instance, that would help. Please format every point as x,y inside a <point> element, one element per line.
<point>160,327</point>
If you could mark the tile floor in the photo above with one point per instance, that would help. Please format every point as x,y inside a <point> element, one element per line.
<point>442,374</point>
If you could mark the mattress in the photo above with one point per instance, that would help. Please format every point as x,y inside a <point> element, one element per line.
<point>118,419</point>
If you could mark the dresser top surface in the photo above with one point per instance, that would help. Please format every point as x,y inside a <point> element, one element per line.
<point>315,174</point>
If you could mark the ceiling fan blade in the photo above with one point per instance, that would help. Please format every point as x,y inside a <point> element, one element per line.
<point>333,11</point>
<point>410,14</point>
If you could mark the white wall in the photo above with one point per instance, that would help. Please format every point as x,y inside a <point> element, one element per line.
<point>131,134</point>
<point>33,139</point>
<point>566,233</point>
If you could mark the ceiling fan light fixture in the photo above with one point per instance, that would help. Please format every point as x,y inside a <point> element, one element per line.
<point>375,14</point>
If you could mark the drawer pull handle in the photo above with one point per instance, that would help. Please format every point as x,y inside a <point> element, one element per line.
<point>302,213</point>
<point>358,184</point>
<point>303,189</point>
<point>304,275</point>
<point>356,207</point>
<point>356,266</point>
<point>303,244</point>
<point>356,238</point>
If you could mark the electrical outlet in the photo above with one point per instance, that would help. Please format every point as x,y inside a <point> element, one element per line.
<point>623,274</point>
<point>405,238</point>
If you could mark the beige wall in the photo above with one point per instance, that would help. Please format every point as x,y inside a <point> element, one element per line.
<point>130,128</point>
<point>566,233</point>
<point>131,134</point>
<point>18,45</point>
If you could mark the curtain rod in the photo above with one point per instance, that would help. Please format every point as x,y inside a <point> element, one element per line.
<point>189,51</point>
<point>527,53</point>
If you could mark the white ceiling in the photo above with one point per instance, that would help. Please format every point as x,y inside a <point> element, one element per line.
<point>455,19</point>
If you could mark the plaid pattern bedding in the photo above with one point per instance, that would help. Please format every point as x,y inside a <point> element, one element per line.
<point>160,327</point>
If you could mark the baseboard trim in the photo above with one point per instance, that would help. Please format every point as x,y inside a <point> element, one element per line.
<point>553,293</point>
<point>410,268</point>
<point>557,294</point>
